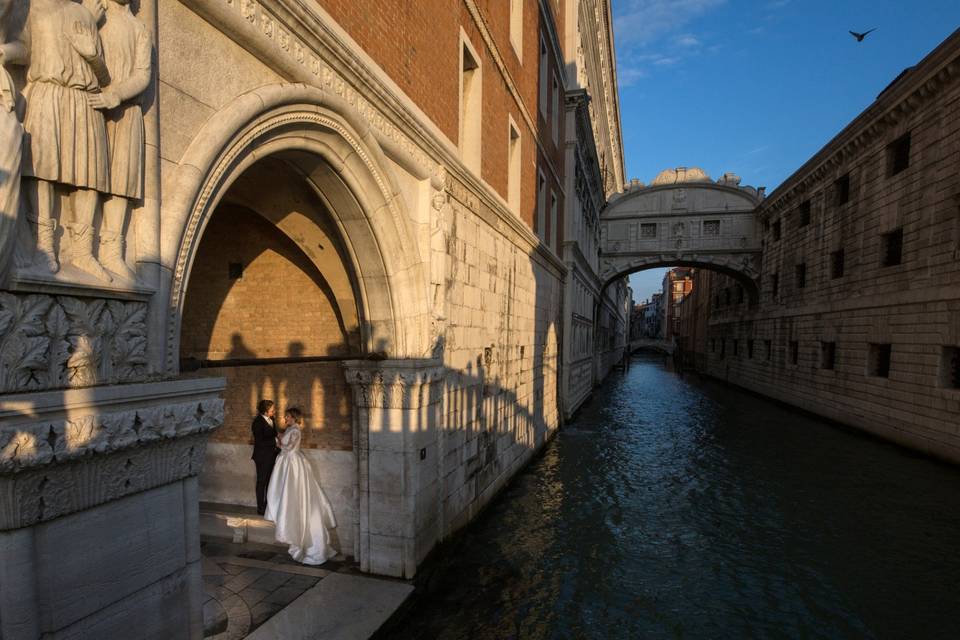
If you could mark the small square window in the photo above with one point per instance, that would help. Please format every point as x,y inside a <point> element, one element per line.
<point>801,275</point>
<point>950,368</point>
<point>804,213</point>
<point>892,248</point>
<point>836,264</point>
<point>711,228</point>
<point>794,352</point>
<point>828,355</point>
<point>648,230</point>
<point>878,360</point>
<point>841,189</point>
<point>898,155</point>
<point>776,231</point>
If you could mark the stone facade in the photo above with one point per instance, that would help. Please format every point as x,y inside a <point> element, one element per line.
<point>357,209</point>
<point>859,312</point>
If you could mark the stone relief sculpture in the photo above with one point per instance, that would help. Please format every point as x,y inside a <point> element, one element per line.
<point>11,141</point>
<point>66,136</point>
<point>127,50</point>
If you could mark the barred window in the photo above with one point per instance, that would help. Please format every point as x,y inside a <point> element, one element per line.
<point>711,227</point>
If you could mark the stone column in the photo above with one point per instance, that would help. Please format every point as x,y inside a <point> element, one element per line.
<point>396,427</point>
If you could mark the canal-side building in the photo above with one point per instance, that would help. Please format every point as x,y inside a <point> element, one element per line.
<point>859,310</point>
<point>677,283</point>
<point>594,320</point>
<point>358,209</point>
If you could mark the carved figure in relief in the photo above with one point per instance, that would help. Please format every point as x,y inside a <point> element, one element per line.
<point>11,143</point>
<point>66,135</point>
<point>127,51</point>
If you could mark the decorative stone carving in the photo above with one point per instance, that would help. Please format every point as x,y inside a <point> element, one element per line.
<point>127,52</point>
<point>53,342</point>
<point>35,445</point>
<point>11,133</point>
<point>66,134</point>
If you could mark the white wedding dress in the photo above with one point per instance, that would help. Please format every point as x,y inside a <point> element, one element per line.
<point>296,504</point>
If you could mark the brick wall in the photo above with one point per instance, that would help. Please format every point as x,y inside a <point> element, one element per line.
<point>279,308</point>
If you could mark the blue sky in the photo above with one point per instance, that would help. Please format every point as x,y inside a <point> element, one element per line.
<point>756,88</point>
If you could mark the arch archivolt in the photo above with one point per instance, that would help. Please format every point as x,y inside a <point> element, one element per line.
<point>335,151</point>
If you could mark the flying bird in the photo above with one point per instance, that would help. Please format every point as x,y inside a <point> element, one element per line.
<point>861,36</point>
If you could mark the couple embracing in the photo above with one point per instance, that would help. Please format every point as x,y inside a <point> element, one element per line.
<point>288,493</point>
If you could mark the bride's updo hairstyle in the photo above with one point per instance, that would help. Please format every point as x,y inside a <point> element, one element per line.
<point>296,414</point>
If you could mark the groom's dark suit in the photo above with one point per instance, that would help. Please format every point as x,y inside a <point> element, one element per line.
<point>264,456</point>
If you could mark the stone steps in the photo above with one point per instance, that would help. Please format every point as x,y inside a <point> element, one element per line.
<point>237,522</point>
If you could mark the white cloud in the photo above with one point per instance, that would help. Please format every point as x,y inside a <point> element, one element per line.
<point>650,34</point>
<point>641,22</point>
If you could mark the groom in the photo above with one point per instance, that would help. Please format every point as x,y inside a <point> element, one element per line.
<point>264,449</point>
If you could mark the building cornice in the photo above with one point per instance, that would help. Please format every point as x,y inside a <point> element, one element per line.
<point>904,97</point>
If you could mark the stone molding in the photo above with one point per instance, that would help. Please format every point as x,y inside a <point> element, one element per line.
<point>894,105</point>
<point>36,434</point>
<point>395,384</point>
<point>50,342</point>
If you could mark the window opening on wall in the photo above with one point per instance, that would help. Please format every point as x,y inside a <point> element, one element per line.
<point>776,231</point>
<point>836,264</point>
<point>898,155</point>
<point>950,368</point>
<point>794,352</point>
<point>516,27</point>
<point>828,355</point>
<point>750,349</point>
<point>711,228</point>
<point>892,248</point>
<point>554,223</point>
<point>648,230</point>
<point>775,284</point>
<point>801,275</point>
<point>471,87</point>
<point>513,167</point>
<point>768,348</point>
<point>723,348</point>
<point>804,213</point>
<point>878,360</point>
<point>841,189</point>
<point>544,69</point>
<point>557,117</point>
<point>541,222</point>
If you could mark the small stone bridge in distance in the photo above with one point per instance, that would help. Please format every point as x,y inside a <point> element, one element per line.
<point>684,219</point>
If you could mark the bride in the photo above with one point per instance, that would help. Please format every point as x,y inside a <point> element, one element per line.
<point>295,501</point>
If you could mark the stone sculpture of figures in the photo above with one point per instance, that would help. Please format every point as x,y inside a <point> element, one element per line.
<point>67,139</point>
<point>127,51</point>
<point>11,140</point>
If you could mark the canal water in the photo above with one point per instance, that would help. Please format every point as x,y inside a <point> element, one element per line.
<point>678,507</point>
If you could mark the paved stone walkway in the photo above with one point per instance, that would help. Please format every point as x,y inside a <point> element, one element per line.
<point>254,586</point>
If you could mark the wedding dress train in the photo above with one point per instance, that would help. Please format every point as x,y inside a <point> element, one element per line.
<point>297,505</point>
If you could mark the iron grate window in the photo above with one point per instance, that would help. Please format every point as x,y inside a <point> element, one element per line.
<point>828,355</point>
<point>950,368</point>
<point>898,155</point>
<point>804,213</point>
<point>892,248</point>
<point>841,190</point>
<point>878,360</point>
<point>836,264</point>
